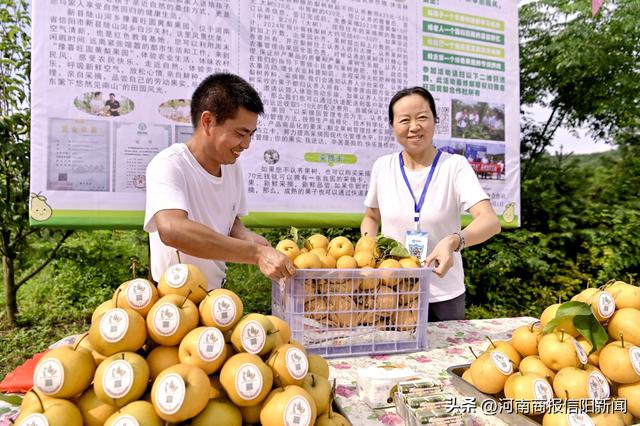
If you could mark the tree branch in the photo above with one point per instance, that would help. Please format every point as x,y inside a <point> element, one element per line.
<point>52,255</point>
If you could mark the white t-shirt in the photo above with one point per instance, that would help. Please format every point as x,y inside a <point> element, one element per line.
<point>175,180</point>
<point>454,188</point>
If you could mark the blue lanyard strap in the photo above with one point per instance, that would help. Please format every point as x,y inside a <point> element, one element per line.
<point>417,205</point>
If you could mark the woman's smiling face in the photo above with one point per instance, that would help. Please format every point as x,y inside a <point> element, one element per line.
<point>413,123</point>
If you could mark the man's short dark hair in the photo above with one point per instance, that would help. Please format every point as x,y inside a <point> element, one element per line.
<point>223,94</point>
<point>112,94</point>
<point>417,90</point>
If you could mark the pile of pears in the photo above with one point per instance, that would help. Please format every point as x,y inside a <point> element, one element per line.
<point>318,252</point>
<point>179,354</point>
<point>562,365</point>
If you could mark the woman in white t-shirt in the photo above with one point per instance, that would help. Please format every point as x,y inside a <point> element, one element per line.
<point>421,190</point>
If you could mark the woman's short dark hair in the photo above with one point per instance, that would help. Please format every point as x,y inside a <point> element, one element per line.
<point>417,90</point>
<point>223,94</point>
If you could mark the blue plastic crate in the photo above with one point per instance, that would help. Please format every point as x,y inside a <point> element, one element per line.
<point>349,312</point>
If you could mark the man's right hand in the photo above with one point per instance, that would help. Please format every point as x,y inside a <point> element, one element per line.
<point>275,264</point>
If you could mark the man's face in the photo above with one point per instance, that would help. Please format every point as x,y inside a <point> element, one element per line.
<point>226,141</point>
<point>112,97</point>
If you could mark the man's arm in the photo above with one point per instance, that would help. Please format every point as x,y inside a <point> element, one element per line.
<point>238,230</point>
<point>177,230</point>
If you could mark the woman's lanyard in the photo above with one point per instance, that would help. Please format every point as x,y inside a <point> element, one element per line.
<point>417,205</point>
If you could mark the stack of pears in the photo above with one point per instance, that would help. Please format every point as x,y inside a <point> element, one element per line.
<point>561,364</point>
<point>175,353</point>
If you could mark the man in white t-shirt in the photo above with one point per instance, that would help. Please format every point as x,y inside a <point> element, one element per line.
<point>195,191</point>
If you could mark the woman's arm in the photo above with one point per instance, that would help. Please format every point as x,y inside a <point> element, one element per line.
<point>484,225</point>
<point>370,222</point>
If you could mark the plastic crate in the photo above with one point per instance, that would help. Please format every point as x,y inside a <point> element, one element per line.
<point>345,312</point>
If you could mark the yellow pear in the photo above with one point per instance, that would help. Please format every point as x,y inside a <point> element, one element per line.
<point>340,246</point>
<point>94,411</point>
<point>409,262</point>
<point>558,350</point>
<point>162,357</point>
<point>318,365</point>
<point>104,306</point>
<point>388,272</point>
<point>562,418</point>
<point>138,294</point>
<point>507,349</point>
<point>180,392</point>
<point>171,318</point>
<point>631,392</point>
<point>346,262</point>
<point>320,390</point>
<point>607,419</point>
<point>289,248</point>
<point>567,325</point>
<point>184,279</point>
<point>142,412</point>
<point>121,378</point>
<point>332,419</point>
<point>366,243</point>
<point>533,364</point>
<point>490,371</point>
<point>117,330</point>
<point>203,347</point>
<point>218,412</point>
<point>307,261</point>
<point>364,258</point>
<point>319,251</point>
<point>625,295</point>
<point>530,387</point>
<point>580,383</point>
<point>246,379</point>
<point>586,345</point>
<point>585,295</point>
<point>254,333</point>
<point>625,321</point>
<point>282,327</point>
<point>602,305</point>
<point>327,262</point>
<point>466,376</point>
<point>620,362</point>
<point>251,414</point>
<point>316,241</point>
<point>51,412</point>
<point>64,372</point>
<point>221,308</point>
<point>86,344</point>
<point>289,365</point>
<point>525,339</point>
<point>290,405</point>
<point>367,278</point>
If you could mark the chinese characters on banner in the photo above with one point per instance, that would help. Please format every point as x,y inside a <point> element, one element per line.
<point>112,83</point>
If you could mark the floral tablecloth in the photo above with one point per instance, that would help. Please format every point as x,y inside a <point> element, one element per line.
<point>449,343</point>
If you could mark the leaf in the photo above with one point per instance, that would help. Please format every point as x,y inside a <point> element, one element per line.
<point>399,251</point>
<point>592,330</point>
<point>573,308</point>
<point>294,234</point>
<point>11,399</point>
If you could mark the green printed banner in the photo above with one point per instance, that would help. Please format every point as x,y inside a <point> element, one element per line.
<point>467,61</point>
<point>461,46</point>
<point>330,158</point>
<point>462,32</point>
<point>463,18</point>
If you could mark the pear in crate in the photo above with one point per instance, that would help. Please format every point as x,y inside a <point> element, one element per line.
<point>64,372</point>
<point>184,279</point>
<point>118,330</point>
<point>316,241</point>
<point>121,378</point>
<point>221,308</point>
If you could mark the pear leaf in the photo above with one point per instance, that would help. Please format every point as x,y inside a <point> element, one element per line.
<point>399,251</point>
<point>568,309</point>
<point>294,234</point>
<point>591,330</point>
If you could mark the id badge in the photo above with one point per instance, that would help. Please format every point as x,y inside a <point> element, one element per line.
<point>416,242</point>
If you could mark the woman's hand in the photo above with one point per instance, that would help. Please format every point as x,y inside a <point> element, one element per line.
<point>442,255</point>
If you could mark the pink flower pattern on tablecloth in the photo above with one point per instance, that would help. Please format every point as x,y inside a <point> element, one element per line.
<point>345,391</point>
<point>391,419</point>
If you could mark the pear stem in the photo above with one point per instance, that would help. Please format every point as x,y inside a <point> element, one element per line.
<point>622,338</point>
<point>75,346</point>
<point>313,380</point>
<point>562,335</point>
<point>533,325</point>
<point>134,266</point>
<point>202,288</point>
<point>491,341</point>
<point>473,353</point>
<point>185,299</point>
<point>178,254</point>
<point>39,399</point>
<point>118,290</point>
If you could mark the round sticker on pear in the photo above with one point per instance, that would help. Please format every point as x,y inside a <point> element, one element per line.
<point>184,279</point>
<point>221,308</point>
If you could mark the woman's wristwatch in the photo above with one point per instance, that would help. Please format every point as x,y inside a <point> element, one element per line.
<point>460,240</point>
